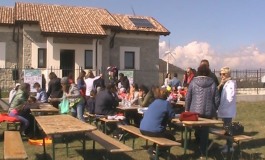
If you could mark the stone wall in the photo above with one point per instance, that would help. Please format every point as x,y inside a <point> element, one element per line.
<point>149,58</point>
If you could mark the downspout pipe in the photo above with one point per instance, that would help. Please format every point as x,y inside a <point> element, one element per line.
<point>96,54</point>
<point>16,40</point>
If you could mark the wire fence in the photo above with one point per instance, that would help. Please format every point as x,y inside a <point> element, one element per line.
<point>247,80</point>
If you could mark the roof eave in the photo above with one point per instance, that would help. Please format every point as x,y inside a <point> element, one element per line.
<point>57,34</point>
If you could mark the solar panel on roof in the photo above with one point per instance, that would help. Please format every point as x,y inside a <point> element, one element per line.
<point>138,22</point>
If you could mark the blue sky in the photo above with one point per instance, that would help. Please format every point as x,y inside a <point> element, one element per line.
<point>228,33</point>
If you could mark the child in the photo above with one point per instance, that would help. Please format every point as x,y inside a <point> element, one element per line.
<point>41,94</point>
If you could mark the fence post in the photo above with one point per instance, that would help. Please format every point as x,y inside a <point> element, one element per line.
<point>257,81</point>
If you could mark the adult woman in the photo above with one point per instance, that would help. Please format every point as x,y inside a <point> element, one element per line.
<point>157,116</point>
<point>167,79</point>
<point>81,83</point>
<point>134,94</point>
<point>54,89</point>
<point>227,108</point>
<point>72,93</point>
<point>202,97</point>
<point>146,97</point>
<point>90,78</point>
<point>17,104</point>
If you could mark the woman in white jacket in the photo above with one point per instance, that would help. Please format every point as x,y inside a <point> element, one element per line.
<point>227,108</point>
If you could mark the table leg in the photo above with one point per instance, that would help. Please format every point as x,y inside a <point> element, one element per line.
<point>185,140</point>
<point>53,148</point>
<point>44,147</point>
<point>84,146</point>
<point>34,128</point>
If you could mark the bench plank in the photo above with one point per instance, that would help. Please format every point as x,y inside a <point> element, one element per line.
<point>13,146</point>
<point>108,143</point>
<point>158,140</point>
<point>221,133</point>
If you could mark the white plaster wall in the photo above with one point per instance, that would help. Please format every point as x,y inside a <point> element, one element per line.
<point>34,54</point>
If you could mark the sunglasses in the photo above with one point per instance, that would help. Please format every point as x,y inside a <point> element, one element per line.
<point>222,74</point>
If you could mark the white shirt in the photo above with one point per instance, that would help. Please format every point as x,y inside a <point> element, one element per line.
<point>89,84</point>
<point>12,93</point>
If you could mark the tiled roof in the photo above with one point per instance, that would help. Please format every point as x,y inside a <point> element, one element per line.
<point>75,20</point>
<point>127,24</point>
<point>6,15</point>
<point>66,19</point>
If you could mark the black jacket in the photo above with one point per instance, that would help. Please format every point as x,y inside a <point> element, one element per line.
<point>105,103</point>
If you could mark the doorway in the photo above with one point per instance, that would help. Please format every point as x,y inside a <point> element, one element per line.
<point>67,62</point>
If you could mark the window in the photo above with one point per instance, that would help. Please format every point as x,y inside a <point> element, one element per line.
<point>88,59</point>
<point>129,60</point>
<point>42,60</point>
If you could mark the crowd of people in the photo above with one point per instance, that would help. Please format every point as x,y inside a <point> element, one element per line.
<point>200,89</point>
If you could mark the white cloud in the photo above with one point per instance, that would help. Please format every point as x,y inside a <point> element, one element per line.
<point>191,54</point>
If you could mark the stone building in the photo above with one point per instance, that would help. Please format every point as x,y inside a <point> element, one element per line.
<point>65,38</point>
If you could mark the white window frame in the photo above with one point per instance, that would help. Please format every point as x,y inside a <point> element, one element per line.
<point>136,51</point>
<point>2,54</point>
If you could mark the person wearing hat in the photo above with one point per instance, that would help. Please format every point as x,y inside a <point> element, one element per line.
<point>72,93</point>
<point>227,108</point>
<point>13,92</point>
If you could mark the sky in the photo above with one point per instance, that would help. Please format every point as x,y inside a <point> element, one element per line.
<point>227,33</point>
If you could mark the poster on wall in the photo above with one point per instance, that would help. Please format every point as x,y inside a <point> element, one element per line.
<point>32,76</point>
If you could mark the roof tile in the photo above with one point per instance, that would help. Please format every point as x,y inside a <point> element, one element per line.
<point>74,20</point>
<point>6,15</point>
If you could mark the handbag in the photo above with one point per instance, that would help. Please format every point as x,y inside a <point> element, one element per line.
<point>74,103</point>
<point>189,116</point>
<point>64,106</point>
<point>234,128</point>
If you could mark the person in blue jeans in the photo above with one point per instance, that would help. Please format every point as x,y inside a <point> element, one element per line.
<point>72,93</point>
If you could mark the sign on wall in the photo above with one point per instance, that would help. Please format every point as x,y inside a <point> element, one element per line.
<point>32,76</point>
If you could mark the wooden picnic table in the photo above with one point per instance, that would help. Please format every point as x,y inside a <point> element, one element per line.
<point>200,122</point>
<point>44,108</point>
<point>63,125</point>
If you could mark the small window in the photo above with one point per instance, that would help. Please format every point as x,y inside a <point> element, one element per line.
<point>88,59</point>
<point>42,57</point>
<point>129,60</point>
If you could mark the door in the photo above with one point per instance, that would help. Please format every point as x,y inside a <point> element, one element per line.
<point>67,62</point>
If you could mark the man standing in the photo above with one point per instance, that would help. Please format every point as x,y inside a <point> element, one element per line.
<point>175,81</point>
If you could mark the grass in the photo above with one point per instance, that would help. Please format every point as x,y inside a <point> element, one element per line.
<point>250,114</point>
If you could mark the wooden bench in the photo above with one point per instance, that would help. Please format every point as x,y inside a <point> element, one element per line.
<point>236,139</point>
<point>110,144</point>
<point>15,125</point>
<point>160,141</point>
<point>13,146</point>
<point>91,117</point>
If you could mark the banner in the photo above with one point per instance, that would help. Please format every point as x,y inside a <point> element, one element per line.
<point>32,76</point>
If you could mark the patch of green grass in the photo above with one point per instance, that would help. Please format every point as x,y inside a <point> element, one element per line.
<point>250,114</point>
